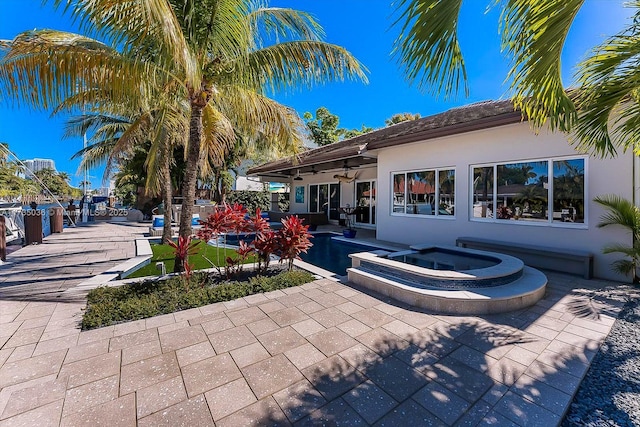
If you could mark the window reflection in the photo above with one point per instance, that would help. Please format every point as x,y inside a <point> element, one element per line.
<point>543,191</point>
<point>447,186</point>
<point>568,191</point>
<point>483,192</point>
<point>421,192</point>
<point>427,192</point>
<point>398,192</point>
<point>522,191</point>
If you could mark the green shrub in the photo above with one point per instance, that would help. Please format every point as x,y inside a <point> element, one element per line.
<point>250,200</point>
<point>284,202</point>
<point>111,305</point>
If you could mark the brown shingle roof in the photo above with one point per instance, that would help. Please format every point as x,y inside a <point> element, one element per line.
<point>481,115</point>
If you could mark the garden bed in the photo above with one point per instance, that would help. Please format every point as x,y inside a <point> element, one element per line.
<point>111,305</point>
<point>207,257</point>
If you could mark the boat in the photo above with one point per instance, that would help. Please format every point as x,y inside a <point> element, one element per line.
<point>14,222</point>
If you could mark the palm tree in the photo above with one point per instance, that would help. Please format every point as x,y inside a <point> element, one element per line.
<point>214,55</point>
<point>622,212</point>
<point>533,36</point>
<point>118,139</point>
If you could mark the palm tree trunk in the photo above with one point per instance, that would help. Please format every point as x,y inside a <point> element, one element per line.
<point>167,192</point>
<point>198,102</point>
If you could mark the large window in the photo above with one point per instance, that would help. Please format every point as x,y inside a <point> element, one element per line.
<point>539,191</point>
<point>426,192</point>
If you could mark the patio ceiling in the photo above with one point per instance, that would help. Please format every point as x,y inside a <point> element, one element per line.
<point>316,161</point>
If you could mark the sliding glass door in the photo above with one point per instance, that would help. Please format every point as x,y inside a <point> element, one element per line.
<point>366,202</point>
<point>325,198</point>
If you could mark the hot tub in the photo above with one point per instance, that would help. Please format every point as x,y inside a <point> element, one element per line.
<point>449,279</point>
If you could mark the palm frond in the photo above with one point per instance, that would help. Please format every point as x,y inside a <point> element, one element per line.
<point>287,65</point>
<point>284,24</point>
<point>607,101</point>
<point>428,48</point>
<point>218,137</point>
<point>630,251</point>
<point>132,25</point>
<point>77,126</point>
<point>624,266</point>
<point>61,64</point>
<point>215,29</point>
<point>258,117</point>
<point>533,35</point>
<point>98,154</point>
<point>620,211</point>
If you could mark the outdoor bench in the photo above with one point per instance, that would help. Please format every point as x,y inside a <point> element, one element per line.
<point>558,259</point>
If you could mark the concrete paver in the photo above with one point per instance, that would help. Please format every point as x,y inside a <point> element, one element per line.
<point>323,351</point>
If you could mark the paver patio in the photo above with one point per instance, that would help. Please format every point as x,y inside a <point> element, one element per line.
<point>319,353</point>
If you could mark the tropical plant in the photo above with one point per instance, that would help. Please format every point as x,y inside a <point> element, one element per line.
<point>265,244</point>
<point>352,133</point>
<point>56,182</point>
<point>604,112</point>
<point>183,248</point>
<point>265,241</point>
<point>288,242</point>
<point>251,200</point>
<point>217,56</point>
<point>11,184</point>
<point>293,239</point>
<point>623,213</point>
<point>401,117</point>
<point>324,127</point>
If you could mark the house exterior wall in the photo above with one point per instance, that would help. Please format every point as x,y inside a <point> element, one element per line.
<point>511,143</point>
<point>347,190</point>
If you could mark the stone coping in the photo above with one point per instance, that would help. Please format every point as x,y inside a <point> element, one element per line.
<point>522,293</point>
<point>508,265</point>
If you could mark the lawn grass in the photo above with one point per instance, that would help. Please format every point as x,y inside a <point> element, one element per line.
<point>165,253</point>
<point>112,305</point>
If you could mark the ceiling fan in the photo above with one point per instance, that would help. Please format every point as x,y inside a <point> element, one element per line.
<point>298,177</point>
<point>346,166</point>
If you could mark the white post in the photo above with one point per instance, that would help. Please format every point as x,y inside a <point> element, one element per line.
<point>85,206</point>
<point>636,179</point>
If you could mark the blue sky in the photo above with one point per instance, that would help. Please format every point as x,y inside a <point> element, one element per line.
<point>364,27</point>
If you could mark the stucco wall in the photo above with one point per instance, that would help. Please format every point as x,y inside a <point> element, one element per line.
<point>510,143</point>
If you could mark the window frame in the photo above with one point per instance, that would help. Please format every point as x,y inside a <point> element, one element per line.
<point>550,176</point>
<point>436,214</point>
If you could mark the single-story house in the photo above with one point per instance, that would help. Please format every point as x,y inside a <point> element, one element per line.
<point>476,172</point>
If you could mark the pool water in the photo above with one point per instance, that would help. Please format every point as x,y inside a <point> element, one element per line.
<point>442,259</point>
<point>331,254</point>
<point>327,253</point>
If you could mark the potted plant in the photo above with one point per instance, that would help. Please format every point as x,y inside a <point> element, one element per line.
<point>349,232</point>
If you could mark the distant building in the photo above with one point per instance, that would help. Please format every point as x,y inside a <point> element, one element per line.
<point>35,165</point>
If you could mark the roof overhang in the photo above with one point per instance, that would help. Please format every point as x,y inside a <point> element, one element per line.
<point>362,150</point>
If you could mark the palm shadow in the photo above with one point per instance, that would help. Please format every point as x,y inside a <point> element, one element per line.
<point>456,370</point>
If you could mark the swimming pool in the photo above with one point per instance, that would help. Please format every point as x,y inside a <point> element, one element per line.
<point>327,253</point>
<point>332,254</point>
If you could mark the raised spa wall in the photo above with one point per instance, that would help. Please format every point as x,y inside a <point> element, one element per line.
<point>417,286</point>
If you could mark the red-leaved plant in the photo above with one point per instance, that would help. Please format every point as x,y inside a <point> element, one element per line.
<point>288,242</point>
<point>188,272</point>
<point>293,239</point>
<point>265,243</point>
<point>182,250</point>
